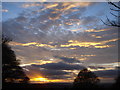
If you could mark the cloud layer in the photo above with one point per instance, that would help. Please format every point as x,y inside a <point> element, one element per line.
<point>56,40</point>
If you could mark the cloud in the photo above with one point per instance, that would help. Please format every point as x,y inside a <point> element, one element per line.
<point>5,10</point>
<point>89,20</point>
<point>63,77</point>
<point>59,66</point>
<point>66,5</point>
<point>21,19</point>
<point>93,30</point>
<point>104,66</point>
<point>71,44</point>
<point>31,44</point>
<point>46,30</point>
<point>107,73</point>
<point>68,60</point>
<point>90,44</point>
<point>27,5</point>
<point>53,72</point>
<point>33,71</point>
<point>94,67</point>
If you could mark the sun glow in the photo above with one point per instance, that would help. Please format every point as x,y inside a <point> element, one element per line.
<point>46,80</point>
<point>39,79</point>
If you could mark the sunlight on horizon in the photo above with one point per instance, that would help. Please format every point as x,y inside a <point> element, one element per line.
<point>46,80</point>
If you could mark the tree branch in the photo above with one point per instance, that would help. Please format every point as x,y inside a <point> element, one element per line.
<point>114,14</point>
<point>114,9</point>
<point>114,5</point>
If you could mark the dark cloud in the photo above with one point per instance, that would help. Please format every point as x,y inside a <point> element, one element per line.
<point>48,72</point>
<point>107,73</point>
<point>59,66</point>
<point>21,19</point>
<point>68,60</point>
<point>51,74</point>
<point>90,20</point>
<point>59,77</point>
<point>96,67</point>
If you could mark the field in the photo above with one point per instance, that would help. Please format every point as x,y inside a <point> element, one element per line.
<point>47,85</point>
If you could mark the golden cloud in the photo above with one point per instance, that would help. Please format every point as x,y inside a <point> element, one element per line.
<point>51,5</point>
<point>100,44</point>
<point>75,30</point>
<point>88,55</point>
<point>96,36</point>
<point>27,5</point>
<point>73,43</point>
<point>93,30</point>
<point>31,43</point>
<point>39,62</point>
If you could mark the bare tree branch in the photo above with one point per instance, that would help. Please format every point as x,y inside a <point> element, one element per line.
<point>113,23</point>
<point>114,5</point>
<point>114,14</point>
<point>114,10</point>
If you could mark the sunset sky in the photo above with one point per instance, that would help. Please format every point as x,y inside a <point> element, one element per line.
<point>55,40</point>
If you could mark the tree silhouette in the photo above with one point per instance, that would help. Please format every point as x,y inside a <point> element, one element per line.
<point>117,83</point>
<point>86,79</point>
<point>115,23</point>
<point>117,80</point>
<point>11,71</point>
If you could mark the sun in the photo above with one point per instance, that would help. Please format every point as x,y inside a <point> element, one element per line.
<point>42,79</point>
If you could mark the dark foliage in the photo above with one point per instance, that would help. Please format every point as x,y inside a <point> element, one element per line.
<point>86,79</point>
<point>11,71</point>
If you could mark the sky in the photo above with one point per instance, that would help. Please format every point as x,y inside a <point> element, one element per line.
<point>55,40</point>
